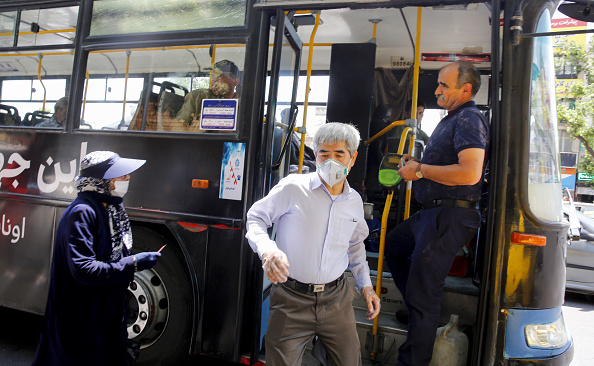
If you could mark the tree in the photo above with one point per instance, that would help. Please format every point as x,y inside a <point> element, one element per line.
<point>578,109</point>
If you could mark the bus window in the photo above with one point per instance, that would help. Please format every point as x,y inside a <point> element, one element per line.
<point>32,81</point>
<point>42,27</point>
<point>125,16</point>
<point>544,183</point>
<point>145,89</point>
<point>29,89</point>
<point>7,20</point>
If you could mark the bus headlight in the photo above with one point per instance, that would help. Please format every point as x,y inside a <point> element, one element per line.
<point>551,335</point>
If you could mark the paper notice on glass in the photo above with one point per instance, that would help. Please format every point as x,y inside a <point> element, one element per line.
<point>232,170</point>
<point>218,114</point>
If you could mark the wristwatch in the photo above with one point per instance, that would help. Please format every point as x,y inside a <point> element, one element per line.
<point>418,173</point>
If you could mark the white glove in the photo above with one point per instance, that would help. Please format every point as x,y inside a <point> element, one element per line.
<point>276,266</point>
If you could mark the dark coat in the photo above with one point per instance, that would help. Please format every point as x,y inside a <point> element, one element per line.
<point>85,320</point>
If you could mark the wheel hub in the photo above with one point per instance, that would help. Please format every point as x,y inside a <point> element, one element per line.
<point>148,307</point>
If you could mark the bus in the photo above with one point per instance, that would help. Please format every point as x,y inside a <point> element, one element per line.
<point>126,67</point>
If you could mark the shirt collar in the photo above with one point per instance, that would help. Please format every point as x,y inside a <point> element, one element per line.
<point>316,182</point>
<point>465,105</point>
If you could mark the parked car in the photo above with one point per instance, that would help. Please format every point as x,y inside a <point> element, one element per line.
<point>580,258</point>
<point>585,208</point>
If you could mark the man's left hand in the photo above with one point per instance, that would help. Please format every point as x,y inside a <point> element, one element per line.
<point>408,171</point>
<point>373,302</point>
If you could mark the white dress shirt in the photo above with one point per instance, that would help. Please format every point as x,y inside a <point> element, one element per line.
<point>320,236</point>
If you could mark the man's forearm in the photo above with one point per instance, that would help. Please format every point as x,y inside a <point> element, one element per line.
<point>452,175</point>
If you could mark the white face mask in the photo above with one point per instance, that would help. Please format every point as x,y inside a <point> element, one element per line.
<point>332,171</point>
<point>121,188</point>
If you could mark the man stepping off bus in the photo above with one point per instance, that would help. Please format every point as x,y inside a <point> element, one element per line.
<point>447,183</point>
<point>320,231</point>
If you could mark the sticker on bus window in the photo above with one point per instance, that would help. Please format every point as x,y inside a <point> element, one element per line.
<point>218,114</point>
<point>232,171</point>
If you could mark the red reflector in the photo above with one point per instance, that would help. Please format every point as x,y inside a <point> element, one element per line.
<point>529,239</point>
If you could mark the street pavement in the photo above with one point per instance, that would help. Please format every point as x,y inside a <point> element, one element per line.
<point>19,333</point>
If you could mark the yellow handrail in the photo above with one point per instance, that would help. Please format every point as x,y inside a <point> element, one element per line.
<point>128,54</point>
<point>305,103</point>
<point>41,81</point>
<point>414,104</point>
<point>380,259</point>
<point>380,262</point>
<point>85,96</point>
<point>40,32</point>
<point>382,132</point>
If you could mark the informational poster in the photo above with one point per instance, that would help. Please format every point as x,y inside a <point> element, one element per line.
<point>218,114</point>
<point>232,170</point>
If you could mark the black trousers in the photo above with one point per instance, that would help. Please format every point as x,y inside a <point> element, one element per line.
<point>420,252</point>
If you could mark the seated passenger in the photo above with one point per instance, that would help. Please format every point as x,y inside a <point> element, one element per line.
<point>59,117</point>
<point>397,131</point>
<point>223,80</point>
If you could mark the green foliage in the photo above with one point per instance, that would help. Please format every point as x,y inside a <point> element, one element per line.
<point>579,118</point>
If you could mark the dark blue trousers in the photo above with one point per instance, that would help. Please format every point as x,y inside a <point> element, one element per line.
<point>419,253</point>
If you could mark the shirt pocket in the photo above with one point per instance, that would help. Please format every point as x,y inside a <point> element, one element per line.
<point>346,228</point>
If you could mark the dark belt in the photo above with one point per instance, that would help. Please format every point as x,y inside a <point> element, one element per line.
<point>450,202</point>
<point>309,288</point>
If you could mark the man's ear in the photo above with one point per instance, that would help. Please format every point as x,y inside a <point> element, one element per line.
<point>354,158</point>
<point>467,88</point>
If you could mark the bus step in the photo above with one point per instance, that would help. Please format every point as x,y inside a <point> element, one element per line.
<point>390,336</point>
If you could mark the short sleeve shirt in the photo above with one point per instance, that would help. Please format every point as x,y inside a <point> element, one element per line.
<point>464,128</point>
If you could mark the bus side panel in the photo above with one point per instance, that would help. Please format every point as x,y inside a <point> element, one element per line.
<point>194,237</point>
<point>222,292</point>
<point>535,276</point>
<point>45,165</point>
<point>25,253</point>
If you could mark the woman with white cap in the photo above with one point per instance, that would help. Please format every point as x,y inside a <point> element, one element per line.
<point>92,265</point>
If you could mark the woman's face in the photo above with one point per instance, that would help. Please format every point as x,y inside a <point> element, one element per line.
<point>123,177</point>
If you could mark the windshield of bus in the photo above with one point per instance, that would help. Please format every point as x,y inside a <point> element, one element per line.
<point>544,182</point>
<point>126,16</point>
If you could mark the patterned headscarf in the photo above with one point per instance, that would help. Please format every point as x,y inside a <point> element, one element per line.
<point>119,223</point>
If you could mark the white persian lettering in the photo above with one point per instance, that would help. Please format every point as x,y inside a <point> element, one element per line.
<point>17,232</point>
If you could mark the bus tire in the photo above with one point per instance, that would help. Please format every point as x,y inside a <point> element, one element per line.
<point>159,303</point>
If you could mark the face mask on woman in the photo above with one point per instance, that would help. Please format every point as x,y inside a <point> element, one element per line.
<point>332,171</point>
<point>121,188</point>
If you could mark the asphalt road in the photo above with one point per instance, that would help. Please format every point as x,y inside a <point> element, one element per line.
<point>19,333</point>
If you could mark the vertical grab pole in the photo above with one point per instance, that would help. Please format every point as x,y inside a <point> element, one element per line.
<point>41,81</point>
<point>85,96</point>
<point>413,110</point>
<point>128,53</point>
<point>305,103</point>
<point>380,260</point>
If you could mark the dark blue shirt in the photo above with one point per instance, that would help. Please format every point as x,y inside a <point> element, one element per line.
<point>463,128</point>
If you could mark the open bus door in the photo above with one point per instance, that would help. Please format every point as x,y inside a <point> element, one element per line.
<point>284,64</point>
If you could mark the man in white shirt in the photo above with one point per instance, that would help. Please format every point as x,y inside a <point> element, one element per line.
<point>320,231</point>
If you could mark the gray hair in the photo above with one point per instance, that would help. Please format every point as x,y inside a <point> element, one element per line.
<point>334,132</point>
<point>62,103</point>
<point>467,73</point>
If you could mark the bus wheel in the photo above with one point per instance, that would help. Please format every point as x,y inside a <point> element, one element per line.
<point>159,303</point>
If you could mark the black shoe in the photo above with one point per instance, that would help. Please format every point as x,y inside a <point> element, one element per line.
<point>402,316</point>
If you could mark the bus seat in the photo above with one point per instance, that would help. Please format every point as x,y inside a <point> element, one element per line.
<point>169,104</point>
<point>162,107</point>
<point>151,117</point>
<point>33,118</point>
<point>9,116</point>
